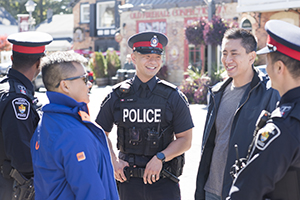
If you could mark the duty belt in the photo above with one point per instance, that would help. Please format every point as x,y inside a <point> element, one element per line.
<point>138,172</point>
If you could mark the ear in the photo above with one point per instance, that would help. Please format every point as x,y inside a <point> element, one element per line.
<point>279,67</point>
<point>63,86</point>
<point>37,63</point>
<point>12,58</point>
<point>252,56</point>
<point>133,58</point>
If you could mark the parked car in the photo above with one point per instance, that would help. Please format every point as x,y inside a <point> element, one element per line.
<point>4,68</point>
<point>38,82</point>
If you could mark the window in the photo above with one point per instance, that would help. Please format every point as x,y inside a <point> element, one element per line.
<point>106,14</point>
<point>195,57</point>
<point>85,13</point>
<point>152,25</point>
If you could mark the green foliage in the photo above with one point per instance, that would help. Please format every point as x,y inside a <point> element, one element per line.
<point>113,63</point>
<point>98,65</point>
<point>195,87</point>
<point>15,7</point>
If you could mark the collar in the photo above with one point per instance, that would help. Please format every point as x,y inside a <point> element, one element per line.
<point>290,96</point>
<point>64,100</point>
<point>19,76</point>
<point>257,78</point>
<point>151,83</point>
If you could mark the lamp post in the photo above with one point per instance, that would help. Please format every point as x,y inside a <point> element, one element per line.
<point>211,50</point>
<point>30,6</point>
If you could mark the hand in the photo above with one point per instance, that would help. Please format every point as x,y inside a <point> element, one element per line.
<point>152,170</point>
<point>118,169</point>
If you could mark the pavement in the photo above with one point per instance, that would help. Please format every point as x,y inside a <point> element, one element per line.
<point>192,156</point>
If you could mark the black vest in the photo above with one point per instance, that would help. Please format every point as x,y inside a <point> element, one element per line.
<point>142,129</point>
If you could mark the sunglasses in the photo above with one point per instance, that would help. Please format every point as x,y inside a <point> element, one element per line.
<point>84,78</point>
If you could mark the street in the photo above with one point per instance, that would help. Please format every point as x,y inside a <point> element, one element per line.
<point>188,178</point>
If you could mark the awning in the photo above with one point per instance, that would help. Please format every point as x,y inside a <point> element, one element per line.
<point>59,45</point>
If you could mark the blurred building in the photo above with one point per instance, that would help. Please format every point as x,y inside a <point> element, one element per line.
<point>99,25</point>
<point>255,13</point>
<point>60,27</point>
<point>8,24</point>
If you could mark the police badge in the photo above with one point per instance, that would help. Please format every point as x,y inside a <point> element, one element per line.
<point>154,41</point>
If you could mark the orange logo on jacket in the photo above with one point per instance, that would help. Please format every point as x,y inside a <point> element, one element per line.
<point>80,156</point>
<point>37,145</point>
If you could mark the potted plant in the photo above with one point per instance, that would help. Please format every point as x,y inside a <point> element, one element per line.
<point>99,67</point>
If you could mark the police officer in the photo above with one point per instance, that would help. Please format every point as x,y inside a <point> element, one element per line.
<point>273,167</point>
<point>148,113</point>
<point>18,115</point>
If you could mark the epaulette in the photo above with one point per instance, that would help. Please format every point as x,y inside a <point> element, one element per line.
<point>164,89</point>
<point>167,84</point>
<point>283,111</point>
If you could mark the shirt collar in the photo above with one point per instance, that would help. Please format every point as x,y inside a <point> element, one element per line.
<point>21,77</point>
<point>151,83</point>
<point>290,96</point>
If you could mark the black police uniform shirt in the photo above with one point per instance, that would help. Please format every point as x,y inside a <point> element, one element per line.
<point>177,111</point>
<point>18,120</point>
<point>276,151</point>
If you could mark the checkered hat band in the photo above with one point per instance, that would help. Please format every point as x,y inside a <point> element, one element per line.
<point>28,50</point>
<point>146,44</point>
<point>284,49</point>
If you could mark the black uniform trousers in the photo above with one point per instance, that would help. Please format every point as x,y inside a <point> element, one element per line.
<point>6,188</point>
<point>135,189</point>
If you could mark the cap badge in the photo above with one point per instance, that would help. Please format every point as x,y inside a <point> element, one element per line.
<point>154,41</point>
<point>272,47</point>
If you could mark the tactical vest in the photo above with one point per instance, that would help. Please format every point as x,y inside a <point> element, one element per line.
<point>142,129</point>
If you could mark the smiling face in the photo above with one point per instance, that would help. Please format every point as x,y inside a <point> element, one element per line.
<point>147,65</point>
<point>237,62</point>
<point>77,88</point>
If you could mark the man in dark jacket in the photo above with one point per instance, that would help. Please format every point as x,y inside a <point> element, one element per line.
<point>18,115</point>
<point>273,166</point>
<point>232,112</point>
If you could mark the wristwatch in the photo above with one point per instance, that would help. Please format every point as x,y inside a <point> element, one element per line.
<point>161,156</point>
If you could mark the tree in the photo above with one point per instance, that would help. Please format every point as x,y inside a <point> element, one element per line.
<point>15,7</point>
<point>4,44</point>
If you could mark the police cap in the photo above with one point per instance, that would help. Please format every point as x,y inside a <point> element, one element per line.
<point>149,42</point>
<point>30,42</point>
<point>283,37</point>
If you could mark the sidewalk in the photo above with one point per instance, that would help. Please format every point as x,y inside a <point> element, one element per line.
<point>192,156</point>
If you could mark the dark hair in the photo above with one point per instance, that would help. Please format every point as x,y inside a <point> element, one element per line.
<point>292,65</point>
<point>24,61</point>
<point>58,66</point>
<point>248,40</point>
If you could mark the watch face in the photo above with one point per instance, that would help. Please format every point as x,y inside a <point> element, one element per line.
<point>160,156</point>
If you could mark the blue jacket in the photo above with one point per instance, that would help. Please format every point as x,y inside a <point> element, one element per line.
<point>70,155</point>
<point>257,97</point>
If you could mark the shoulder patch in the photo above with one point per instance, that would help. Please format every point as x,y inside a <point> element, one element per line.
<point>266,135</point>
<point>21,107</point>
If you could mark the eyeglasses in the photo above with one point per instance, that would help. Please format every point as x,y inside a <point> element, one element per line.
<point>84,78</point>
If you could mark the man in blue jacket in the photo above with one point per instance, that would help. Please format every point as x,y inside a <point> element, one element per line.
<point>70,156</point>
<point>232,113</point>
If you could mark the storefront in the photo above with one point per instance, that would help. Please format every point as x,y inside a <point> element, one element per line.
<point>172,22</point>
